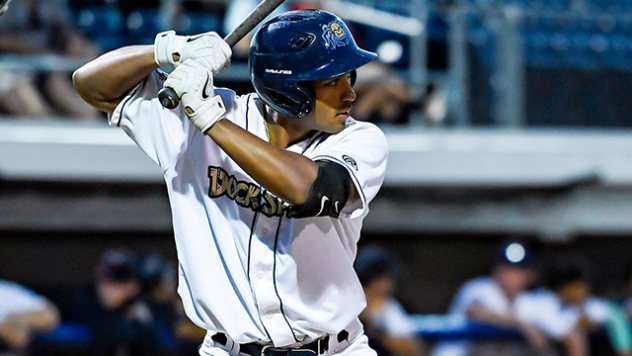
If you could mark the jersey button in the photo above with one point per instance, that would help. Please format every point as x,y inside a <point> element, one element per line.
<point>264,231</point>
<point>260,275</point>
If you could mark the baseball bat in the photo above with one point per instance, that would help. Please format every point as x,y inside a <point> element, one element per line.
<point>168,97</point>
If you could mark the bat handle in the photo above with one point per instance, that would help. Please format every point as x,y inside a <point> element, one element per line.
<point>168,98</point>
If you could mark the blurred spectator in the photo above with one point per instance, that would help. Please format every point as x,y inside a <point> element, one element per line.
<point>604,322</point>
<point>385,321</point>
<point>23,314</point>
<point>492,300</point>
<point>33,27</point>
<point>121,322</point>
<point>384,96</point>
<point>627,293</point>
<point>177,333</point>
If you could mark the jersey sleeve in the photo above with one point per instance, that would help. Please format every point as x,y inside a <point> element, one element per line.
<point>161,133</point>
<point>363,151</point>
<point>474,292</point>
<point>396,321</point>
<point>544,310</point>
<point>18,300</point>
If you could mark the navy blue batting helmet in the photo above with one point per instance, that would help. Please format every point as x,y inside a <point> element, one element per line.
<point>300,46</point>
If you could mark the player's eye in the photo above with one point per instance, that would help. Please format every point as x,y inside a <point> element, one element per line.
<point>332,82</point>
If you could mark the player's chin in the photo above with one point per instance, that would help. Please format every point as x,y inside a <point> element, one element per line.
<point>334,127</point>
<point>343,118</point>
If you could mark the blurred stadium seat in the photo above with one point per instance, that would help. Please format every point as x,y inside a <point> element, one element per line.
<point>576,61</point>
<point>191,23</point>
<point>143,24</point>
<point>104,25</point>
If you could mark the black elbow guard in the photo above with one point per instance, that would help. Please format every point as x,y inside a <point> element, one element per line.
<point>329,193</point>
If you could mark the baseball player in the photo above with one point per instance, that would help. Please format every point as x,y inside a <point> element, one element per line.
<point>268,190</point>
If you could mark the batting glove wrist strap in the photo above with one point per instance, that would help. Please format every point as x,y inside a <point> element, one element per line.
<point>208,114</point>
<point>208,48</point>
<point>164,46</point>
<point>193,82</point>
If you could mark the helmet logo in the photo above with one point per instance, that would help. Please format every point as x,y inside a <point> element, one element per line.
<point>279,71</point>
<point>335,35</point>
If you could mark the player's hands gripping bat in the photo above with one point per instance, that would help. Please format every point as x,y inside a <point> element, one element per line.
<point>208,48</point>
<point>192,81</point>
<point>168,97</point>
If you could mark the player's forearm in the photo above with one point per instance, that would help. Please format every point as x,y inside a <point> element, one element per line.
<point>408,346</point>
<point>575,344</point>
<point>480,314</point>
<point>14,334</point>
<point>17,329</point>
<point>286,174</point>
<point>42,321</point>
<point>104,81</point>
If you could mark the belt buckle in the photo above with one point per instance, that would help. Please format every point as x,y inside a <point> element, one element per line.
<point>288,352</point>
<point>275,350</point>
<point>264,348</point>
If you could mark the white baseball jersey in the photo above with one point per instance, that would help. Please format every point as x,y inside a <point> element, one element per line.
<point>393,320</point>
<point>545,310</point>
<point>482,291</point>
<point>17,299</point>
<point>246,269</point>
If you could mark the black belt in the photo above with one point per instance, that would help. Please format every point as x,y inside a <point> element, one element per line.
<point>316,347</point>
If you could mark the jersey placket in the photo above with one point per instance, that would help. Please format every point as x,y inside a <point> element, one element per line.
<point>262,280</point>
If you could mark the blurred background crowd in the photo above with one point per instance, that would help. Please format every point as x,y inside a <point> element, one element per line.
<point>503,226</point>
<point>529,302</point>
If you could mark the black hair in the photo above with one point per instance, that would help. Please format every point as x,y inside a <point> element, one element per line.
<point>118,265</point>
<point>567,268</point>
<point>152,269</point>
<point>374,261</point>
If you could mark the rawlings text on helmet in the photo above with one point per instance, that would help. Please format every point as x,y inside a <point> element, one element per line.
<point>279,71</point>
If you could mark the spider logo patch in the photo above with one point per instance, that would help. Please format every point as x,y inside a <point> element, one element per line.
<point>335,35</point>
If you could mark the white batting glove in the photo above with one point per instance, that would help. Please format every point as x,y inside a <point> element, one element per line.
<point>193,82</point>
<point>208,48</point>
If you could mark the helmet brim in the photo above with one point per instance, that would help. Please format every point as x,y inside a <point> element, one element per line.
<point>356,60</point>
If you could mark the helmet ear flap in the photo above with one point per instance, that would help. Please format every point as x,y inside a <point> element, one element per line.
<point>294,101</point>
<point>308,102</point>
